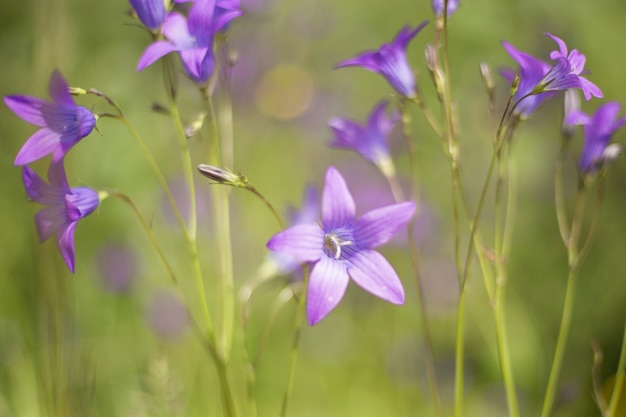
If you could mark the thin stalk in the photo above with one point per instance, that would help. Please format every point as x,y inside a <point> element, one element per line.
<point>559,196</point>
<point>459,354</point>
<point>620,375</point>
<point>221,211</point>
<point>568,304</point>
<point>428,345</point>
<point>269,205</point>
<point>293,356</point>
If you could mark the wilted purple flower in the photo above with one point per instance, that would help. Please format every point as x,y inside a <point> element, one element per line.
<point>341,247</point>
<point>65,206</point>
<point>576,62</point>
<point>62,122</point>
<point>438,7</point>
<point>370,140</point>
<point>150,12</point>
<point>597,130</point>
<point>390,61</point>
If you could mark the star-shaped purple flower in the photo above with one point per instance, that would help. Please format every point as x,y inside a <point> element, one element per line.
<point>390,61</point>
<point>341,247</point>
<point>370,140</point>
<point>597,130</point>
<point>150,12</point>
<point>65,206</point>
<point>192,38</point>
<point>62,122</point>
<point>438,6</point>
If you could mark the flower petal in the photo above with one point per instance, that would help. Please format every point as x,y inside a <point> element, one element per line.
<point>305,242</point>
<point>40,191</point>
<point>154,52</point>
<point>150,12</point>
<point>372,272</point>
<point>337,202</point>
<point>49,221</point>
<point>59,91</point>
<point>41,143</point>
<point>65,242</point>
<point>378,226</point>
<point>28,108</point>
<point>175,29</point>
<point>327,285</point>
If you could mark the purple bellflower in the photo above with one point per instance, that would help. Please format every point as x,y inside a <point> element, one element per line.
<point>370,140</point>
<point>438,7</point>
<point>597,130</point>
<point>151,12</point>
<point>224,12</point>
<point>390,61</point>
<point>340,247</point>
<point>65,206</point>
<point>62,122</point>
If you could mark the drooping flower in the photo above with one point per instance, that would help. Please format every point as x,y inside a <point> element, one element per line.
<point>151,12</point>
<point>65,206</point>
<point>340,247</point>
<point>369,140</point>
<point>62,122</point>
<point>576,62</point>
<point>438,7</point>
<point>597,130</point>
<point>192,37</point>
<point>391,62</point>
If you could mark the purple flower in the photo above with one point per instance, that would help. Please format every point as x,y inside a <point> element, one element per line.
<point>62,122</point>
<point>438,7</point>
<point>150,12</point>
<point>390,61</point>
<point>224,10</point>
<point>370,140</point>
<point>597,130</point>
<point>576,61</point>
<point>65,206</point>
<point>341,247</point>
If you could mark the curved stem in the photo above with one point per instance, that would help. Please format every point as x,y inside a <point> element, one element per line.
<point>267,204</point>
<point>620,375</point>
<point>293,356</point>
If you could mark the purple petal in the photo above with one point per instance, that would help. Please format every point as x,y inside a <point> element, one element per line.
<point>590,89</point>
<point>57,177</point>
<point>200,21</point>
<point>81,202</point>
<point>28,108</point>
<point>379,121</point>
<point>347,133</point>
<point>65,242</point>
<point>405,35</point>
<point>40,191</point>
<point>223,18</point>
<point>154,52</point>
<point>59,91</point>
<point>49,221</point>
<point>198,63</point>
<point>327,285</point>
<point>337,202</point>
<point>377,227</point>
<point>41,143</point>
<point>562,52</point>
<point>372,272</point>
<point>577,118</point>
<point>304,242</point>
<point>364,59</point>
<point>150,12</point>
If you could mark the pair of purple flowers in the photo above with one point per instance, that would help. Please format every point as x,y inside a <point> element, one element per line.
<point>62,124</point>
<point>190,36</point>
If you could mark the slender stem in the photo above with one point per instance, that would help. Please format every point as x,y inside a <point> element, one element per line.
<point>559,196</point>
<point>620,375</point>
<point>568,305</point>
<point>293,356</point>
<point>428,345</point>
<point>459,353</point>
<point>267,204</point>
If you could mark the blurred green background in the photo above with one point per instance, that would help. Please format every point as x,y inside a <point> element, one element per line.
<point>114,340</point>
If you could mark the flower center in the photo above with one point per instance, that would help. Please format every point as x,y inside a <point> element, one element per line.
<point>333,244</point>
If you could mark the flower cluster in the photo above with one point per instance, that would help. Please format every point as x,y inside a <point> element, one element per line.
<point>191,36</point>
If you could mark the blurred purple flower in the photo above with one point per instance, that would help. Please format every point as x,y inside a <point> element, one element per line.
<point>62,122</point>
<point>390,61</point>
<point>167,315</point>
<point>598,130</point>
<point>150,12</point>
<point>370,140</point>
<point>341,247</point>
<point>65,206</point>
<point>118,267</point>
<point>438,7</point>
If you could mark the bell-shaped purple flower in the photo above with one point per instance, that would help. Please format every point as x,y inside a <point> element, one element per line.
<point>369,140</point>
<point>65,206</point>
<point>391,62</point>
<point>151,12</point>
<point>341,247</point>
<point>597,130</point>
<point>62,122</point>
<point>438,7</point>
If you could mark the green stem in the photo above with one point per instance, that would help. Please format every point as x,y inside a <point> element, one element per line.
<point>293,356</point>
<point>568,305</point>
<point>620,375</point>
<point>459,353</point>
